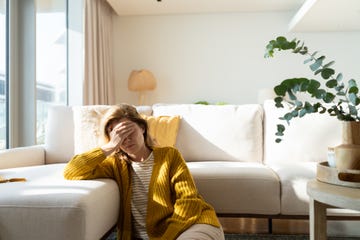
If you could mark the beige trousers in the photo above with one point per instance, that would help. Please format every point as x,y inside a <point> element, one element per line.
<point>202,232</point>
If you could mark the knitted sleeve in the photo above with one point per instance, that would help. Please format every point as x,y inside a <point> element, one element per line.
<point>89,165</point>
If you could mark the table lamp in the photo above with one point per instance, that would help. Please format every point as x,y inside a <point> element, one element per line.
<point>141,81</point>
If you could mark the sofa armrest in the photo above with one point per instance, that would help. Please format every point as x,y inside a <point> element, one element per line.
<point>22,156</point>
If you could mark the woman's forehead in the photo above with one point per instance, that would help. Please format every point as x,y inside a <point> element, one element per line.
<point>118,120</point>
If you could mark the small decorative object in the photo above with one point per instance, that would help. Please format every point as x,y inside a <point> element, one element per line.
<point>333,96</point>
<point>141,81</point>
<point>4,180</point>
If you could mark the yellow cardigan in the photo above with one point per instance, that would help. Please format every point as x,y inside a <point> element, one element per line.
<point>173,202</point>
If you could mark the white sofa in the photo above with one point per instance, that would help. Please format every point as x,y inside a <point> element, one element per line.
<point>230,150</point>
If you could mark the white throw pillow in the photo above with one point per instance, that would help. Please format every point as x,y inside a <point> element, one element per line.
<point>87,120</point>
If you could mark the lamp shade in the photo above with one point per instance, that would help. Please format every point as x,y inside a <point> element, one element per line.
<point>141,80</point>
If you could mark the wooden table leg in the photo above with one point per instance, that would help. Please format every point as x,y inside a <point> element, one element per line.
<point>317,220</point>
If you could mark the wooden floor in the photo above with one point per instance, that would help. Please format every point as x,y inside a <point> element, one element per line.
<point>260,225</point>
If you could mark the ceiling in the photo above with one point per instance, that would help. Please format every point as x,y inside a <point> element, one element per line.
<point>309,15</point>
<point>327,15</point>
<point>154,7</point>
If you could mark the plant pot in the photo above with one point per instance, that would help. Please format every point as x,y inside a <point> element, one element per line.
<point>347,155</point>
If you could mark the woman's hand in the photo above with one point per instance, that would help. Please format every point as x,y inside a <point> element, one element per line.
<point>117,136</point>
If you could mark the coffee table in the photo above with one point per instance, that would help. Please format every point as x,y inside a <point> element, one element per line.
<point>323,196</point>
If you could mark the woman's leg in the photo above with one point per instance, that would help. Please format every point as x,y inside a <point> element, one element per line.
<point>202,232</point>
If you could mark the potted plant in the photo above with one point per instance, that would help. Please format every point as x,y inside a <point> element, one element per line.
<point>332,95</point>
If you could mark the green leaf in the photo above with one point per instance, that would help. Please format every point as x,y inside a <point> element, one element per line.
<point>278,99</point>
<point>304,51</point>
<point>308,60</point>
<point>331,83</point>
<point>326,73</point>
<point>302,112</point>
<point>278,102</point>
<point>320,93</point>
<point>353,86</point>
<point>278,140</point>
<point>329,97</point>
<point>313,55</point>
<point>313,86</point>
<point>323,110</point>
<point>318,71</point>
<point>202,102</point>
<point>317,63</point>
<point>353,110</point>
<point>353,90</point>
<point>280,90</point>
<point>339,77</point>
<point>353,98</point>
<point>329,64</point>
<point>304,85</point>
<point>291,95</point>
<point>298,104</point>
<point>281,39</point>
<point>294,113</point>
<point>280,128</point>
<point>308,107</point>
<point>339,88</point>
<point>352,83</point>
<point>288,117</point>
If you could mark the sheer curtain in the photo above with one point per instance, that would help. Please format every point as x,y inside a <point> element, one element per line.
<point>98,75</point>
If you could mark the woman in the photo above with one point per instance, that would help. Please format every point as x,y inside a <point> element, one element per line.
<point>158,197</point>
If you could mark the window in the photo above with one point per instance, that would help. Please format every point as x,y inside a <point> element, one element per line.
<point>3,74</point>
<point>51,60</point>
<point>41,65</point>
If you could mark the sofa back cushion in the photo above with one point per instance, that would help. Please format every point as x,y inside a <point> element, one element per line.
<point>306,139</point>
<point>213,132</point>
<point>87,121</point>
<point>59,135</point>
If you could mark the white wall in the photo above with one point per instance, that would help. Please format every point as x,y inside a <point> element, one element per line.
<point>218,57</point>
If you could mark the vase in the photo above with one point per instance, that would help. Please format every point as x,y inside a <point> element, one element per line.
<point>347,155</point>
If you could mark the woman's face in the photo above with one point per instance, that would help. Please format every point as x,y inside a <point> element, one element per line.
<point>130,132</point>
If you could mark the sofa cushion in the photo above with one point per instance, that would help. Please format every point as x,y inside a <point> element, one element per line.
<point>163,129</point>
<point>59,135</point>
<point>237,187</point>
<point>213,133</point>
<point>305,140</point>
<point>48,207</point>
<point>87,122</point>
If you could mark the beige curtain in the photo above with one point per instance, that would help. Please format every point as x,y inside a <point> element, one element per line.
<point>98,76</point>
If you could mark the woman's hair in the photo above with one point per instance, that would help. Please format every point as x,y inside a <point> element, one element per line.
<point>129,112</point>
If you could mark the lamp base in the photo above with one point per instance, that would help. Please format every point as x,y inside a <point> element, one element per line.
<point>141,99</point>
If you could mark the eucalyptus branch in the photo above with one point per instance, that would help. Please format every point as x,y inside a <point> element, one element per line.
<point>335,91</point>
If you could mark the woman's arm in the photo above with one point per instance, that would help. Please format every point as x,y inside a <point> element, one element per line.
<point>89,165</point>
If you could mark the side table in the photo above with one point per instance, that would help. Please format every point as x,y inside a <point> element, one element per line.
<point>323,196</point>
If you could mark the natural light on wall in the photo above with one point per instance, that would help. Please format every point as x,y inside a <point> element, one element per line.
<point>2,74</point>
<point>51,59</point>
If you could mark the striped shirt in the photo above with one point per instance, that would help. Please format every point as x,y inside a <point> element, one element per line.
<point>141,174</point>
